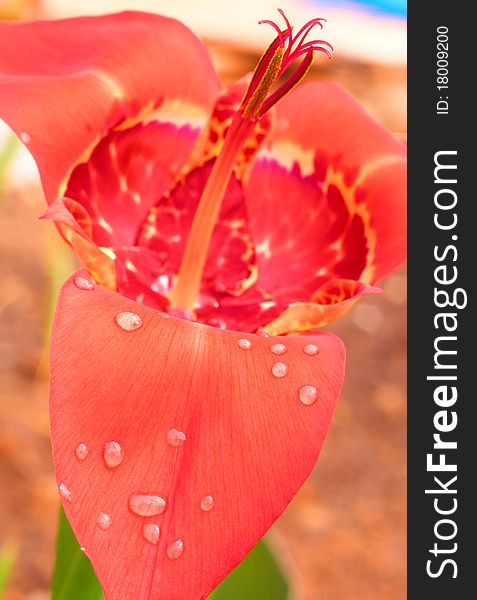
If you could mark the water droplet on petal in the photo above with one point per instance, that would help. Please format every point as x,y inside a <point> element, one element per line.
<point>83,284</point>
<point>164,315</point>
<point>103,521</point>
<point>311,349</point>
<point>308,394</point>
<point>128,321</point>
<point>263,334</point>
<point>151,532</point>
<point>279,369</point>
<point>244,344</point>
<point>113,454</point>
<point>24,136</point>
<point>81,451</point>
<point>207,503</point>
<point>147,506</point>
<point>175,549</point>
<point>175,438</point>
<point>278,349</point>
<point>65,492</point>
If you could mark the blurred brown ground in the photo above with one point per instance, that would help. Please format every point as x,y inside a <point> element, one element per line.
<point>344,534</point>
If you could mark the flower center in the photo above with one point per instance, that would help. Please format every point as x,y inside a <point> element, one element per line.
<point>283,65</point>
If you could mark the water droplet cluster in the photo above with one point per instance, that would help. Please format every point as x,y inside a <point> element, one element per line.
<point>307,394</point>
<point>142,505</point>
<point>148,505</point>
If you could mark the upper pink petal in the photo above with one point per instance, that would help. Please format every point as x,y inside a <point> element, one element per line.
<point>326,202</point>
<point>329,192</point>
<point>66,83</point>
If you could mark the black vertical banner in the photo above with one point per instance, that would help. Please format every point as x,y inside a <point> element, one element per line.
<point>442,271</point>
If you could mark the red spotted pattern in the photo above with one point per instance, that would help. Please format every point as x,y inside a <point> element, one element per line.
<point>126,174</point>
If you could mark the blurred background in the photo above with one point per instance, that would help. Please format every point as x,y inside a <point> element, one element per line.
<point>343,537</point>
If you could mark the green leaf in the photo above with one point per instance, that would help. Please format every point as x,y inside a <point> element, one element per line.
<point>73,578</point>
<point>257,577</point>
<point>7,153</point>
<point>7,560</point>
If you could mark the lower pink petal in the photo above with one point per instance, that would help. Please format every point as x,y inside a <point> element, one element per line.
<point>220,433</point>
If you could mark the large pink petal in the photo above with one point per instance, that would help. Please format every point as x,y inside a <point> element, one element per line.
<point>251,438</point>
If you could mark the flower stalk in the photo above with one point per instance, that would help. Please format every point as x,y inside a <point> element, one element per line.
<point>185,292</point>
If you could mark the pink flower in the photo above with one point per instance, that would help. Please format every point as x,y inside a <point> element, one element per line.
<point>177,445</point>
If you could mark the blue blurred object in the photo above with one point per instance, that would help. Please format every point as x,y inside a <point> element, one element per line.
<point>396,8</point>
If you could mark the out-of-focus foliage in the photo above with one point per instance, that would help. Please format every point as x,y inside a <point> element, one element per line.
<point>258,577</point>
<point>7,152</point>
<point>73,578</point>
<point>7,560</point>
